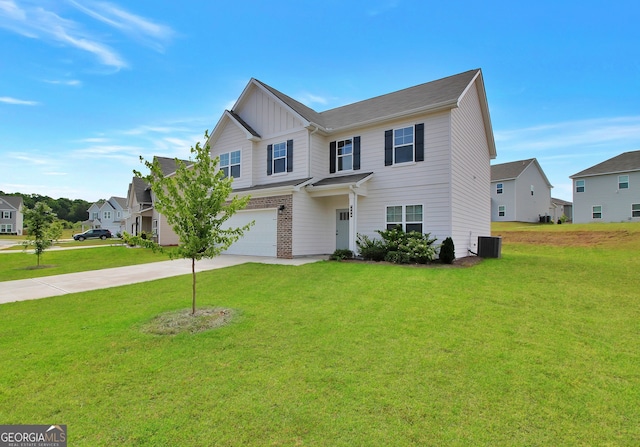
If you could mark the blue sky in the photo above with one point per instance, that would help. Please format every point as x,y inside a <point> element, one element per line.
<point>88,86</point>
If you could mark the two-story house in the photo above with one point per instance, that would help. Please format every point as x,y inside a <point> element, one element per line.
<point>11,218</point>
<point>142,217</point>
<point>608,191</point>
<point>520,192</point>
<point>418,158</point>
<point>110,214</point>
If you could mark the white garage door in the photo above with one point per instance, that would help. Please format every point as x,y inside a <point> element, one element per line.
<point>261,239</point>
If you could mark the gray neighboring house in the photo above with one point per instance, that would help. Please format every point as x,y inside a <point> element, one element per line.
<point>561,208</point>
<point>608,191</point>
<point>520,192</point>
<point>110,214</point>
<point>11,218</point>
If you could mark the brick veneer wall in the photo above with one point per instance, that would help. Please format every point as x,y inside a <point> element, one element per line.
<point>285,223</point>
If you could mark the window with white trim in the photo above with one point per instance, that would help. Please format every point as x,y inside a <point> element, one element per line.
<point>107,215</point>
<point>6,214</point>
<point>230,164</point>
<point>596,212</point>
<point>499,188</point>
<point>154,227</point>
<point>280,157</point>
<point>6,228</point>
<point>403,145</point>
<point>94,216</point>
<point>623,182</point>
<point>502,210</point>
<point>344,155</point>
<point>531,189</point>
<point>579,185</point>
<point>635,210</point>
<point>408,217</point>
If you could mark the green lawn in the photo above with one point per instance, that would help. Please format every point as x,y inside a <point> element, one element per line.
<point>539,348</point>
<point>16,265</point>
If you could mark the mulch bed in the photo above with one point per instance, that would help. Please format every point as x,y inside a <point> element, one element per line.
<point>468,261</point>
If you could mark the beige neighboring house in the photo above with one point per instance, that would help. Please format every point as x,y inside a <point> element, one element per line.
<point>11,218</point>
<point>520,192</point>
<point>561,208</point>
<point>418,158</point>
<point>110,214</point>
<point>142,215</point>
<point>608,191</point>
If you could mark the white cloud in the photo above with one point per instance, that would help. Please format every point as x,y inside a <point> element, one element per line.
<point>309,98</point>
<point>381,6</point>
<point>70,82</point>
<point>19,102</point>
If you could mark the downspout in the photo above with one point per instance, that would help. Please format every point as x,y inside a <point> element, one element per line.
<point>309,151</point>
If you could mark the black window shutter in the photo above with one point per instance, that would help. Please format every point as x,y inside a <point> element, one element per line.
<point>356,153</point>
<point>270,159</point>
<point>332,157</point>
<point>419,142</point>
<point>289,155</point>
<point>388,147</point>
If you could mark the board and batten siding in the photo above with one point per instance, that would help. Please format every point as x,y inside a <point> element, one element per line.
<point>232,139</point>
<point>602,190</point>
<point>266,115</point>
<point>470,175</point>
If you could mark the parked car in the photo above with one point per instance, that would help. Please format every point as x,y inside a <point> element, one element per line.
<point>94,233</point>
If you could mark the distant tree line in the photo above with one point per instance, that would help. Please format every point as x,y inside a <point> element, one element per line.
<point>65,209</point>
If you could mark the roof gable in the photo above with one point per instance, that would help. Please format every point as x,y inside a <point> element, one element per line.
<point>625,162</point>
<point>14,202</point>
<point>513,170</point>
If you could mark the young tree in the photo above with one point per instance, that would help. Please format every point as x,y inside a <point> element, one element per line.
<point>195,202</point>
<point>38,221</point>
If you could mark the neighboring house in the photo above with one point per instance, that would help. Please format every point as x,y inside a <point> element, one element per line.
<point>520,192</point>
<point>11,218</point>
<point>561,208</point>
<point>110,214</point>
<point>608,191</point>
<point>142,216</point>
<point>418,158</point>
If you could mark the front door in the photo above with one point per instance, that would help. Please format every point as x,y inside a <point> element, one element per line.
<point>342,229</point>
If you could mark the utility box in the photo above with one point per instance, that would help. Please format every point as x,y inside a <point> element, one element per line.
<point>489,247</point>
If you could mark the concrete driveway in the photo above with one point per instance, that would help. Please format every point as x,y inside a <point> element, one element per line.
<point>47,286</point>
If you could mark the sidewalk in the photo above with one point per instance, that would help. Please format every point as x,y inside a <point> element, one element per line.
<point>47,286</point>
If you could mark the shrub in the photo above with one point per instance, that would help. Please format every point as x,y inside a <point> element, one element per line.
<point>398,257</point>
<point>340,254</point>
<point>371,249</point>
<point>447,251</point>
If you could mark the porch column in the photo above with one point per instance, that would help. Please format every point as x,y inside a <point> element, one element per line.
<point>353,219</point>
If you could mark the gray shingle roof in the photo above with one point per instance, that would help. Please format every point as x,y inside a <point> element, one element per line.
<point>560,201</point>
<point>625,162</point>
<point>431,94</point>
<point>295,182</point>
<point>14,201</point>
<point>509,171</point>
<point>343,179</point>
<point>168,165</point>
<point>141,190</point>
<point>243,123</point>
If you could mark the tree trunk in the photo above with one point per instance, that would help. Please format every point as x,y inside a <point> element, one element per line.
<point>193,274</point>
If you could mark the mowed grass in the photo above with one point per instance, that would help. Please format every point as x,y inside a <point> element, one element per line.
<point>538,348</point>
<point>22,265</point>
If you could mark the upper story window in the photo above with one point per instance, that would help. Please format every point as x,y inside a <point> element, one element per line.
<point>107,214</point>
<point>531,189</point>
<point>280,157</point>
<point>404,145</point>
<point>499,187</point>
<point>344,155</point>
<point>623,182</point>
<point>409,217</point>
<point>94,216</point>
<point>230,164</point>
<point>579,185</point>
<point>5,214</point>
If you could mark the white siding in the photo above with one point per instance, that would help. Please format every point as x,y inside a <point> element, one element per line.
<point>470,175</point>
<point>314,223</point>
<point>300,158</point>
<point>603,190</point>
<point>231,139</point>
